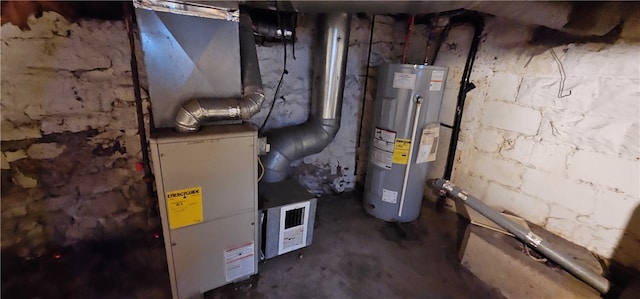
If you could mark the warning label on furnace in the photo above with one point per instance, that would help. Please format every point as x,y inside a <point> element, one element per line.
<point>239,261</point>
<point>184,207</point>
<point>401,151</point>
<point>382,150</point>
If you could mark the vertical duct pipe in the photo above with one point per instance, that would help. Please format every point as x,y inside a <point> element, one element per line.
<point>292,143</point>
<point>196,111</point>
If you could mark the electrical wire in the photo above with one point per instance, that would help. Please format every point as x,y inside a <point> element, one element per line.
<point>294,24</point>
<point>284,72</point>
<point>366,82</point>
<point>563,76</point>
<point>528,252</point>
<point>261,169</point>
<point>148,178</point>
<point>406,42</point>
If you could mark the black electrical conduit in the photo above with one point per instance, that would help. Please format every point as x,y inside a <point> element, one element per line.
<point>148,176</point>
<point>477,22</point>
<point>595,280</point>
<point>366,85</point>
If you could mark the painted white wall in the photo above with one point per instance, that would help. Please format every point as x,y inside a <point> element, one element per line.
<point>570,164</point>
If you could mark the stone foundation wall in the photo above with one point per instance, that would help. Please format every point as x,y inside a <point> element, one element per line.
<point>70,142</point>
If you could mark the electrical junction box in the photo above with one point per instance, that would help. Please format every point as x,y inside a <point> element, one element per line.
<point>207,193</point>
<point>287,212</point>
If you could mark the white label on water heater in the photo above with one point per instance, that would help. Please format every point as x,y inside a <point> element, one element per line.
<point>428,144</point>
<point>437,78</point>
<point>404,81</point>
<point>382,150</point>
<point>381,158</point>
<point>389,196</point>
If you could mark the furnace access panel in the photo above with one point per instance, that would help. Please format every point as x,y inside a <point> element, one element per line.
<point>207,190</point>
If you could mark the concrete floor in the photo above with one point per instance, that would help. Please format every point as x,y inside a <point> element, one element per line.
<point>353,255</point>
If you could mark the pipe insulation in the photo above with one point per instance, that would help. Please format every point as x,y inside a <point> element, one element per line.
<point>195,112</point>
<point>596,281</point>
<point>292,143</point>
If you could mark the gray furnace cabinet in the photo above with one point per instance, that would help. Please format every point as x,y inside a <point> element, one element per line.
<point>207,191</point>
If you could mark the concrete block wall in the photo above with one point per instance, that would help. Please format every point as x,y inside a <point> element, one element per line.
<point>567,159</point>
<point>70,139</point>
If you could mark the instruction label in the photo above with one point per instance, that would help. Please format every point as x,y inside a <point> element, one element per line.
<point>437,79</point>
<point>404,81</point>
<point>401,151</point>
<point>382,150</point>
<point>389,196</point>
<point>239,261</point>
<point>293,237</point>
<point>184,207</point>
<point>428,144</point>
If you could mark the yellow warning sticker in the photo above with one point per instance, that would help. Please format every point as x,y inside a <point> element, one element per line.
<point>401,151</point>
<point>184,207</point>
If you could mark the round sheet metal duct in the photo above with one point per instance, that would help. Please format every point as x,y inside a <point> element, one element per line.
<point>292,143</point>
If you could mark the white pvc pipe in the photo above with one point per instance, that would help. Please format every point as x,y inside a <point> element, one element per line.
<point>411,146</point>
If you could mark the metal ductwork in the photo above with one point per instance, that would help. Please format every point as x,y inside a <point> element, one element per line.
<point>185,45</point>
<point>197,111</point>
<point>292,143</point>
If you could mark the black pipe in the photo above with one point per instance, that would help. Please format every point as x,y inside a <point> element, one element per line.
<point>596,281</point>
<point>366,85</point>
<point>148,176</point>
<point>465,86</point>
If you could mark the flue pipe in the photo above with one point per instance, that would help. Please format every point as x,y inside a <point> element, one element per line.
<point>292,143</point>
<point>596,281</point>
<point>195,112</point>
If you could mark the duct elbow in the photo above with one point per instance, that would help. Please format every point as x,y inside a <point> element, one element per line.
<point>251,102</point>
<point>276,166</point>
<point>293,143</point>
<point>195,112</point>
<point>189,116</point>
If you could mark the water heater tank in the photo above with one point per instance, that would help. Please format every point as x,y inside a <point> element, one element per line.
<point>404,140</point>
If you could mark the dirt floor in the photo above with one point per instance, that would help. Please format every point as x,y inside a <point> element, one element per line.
<point>353,255</point>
